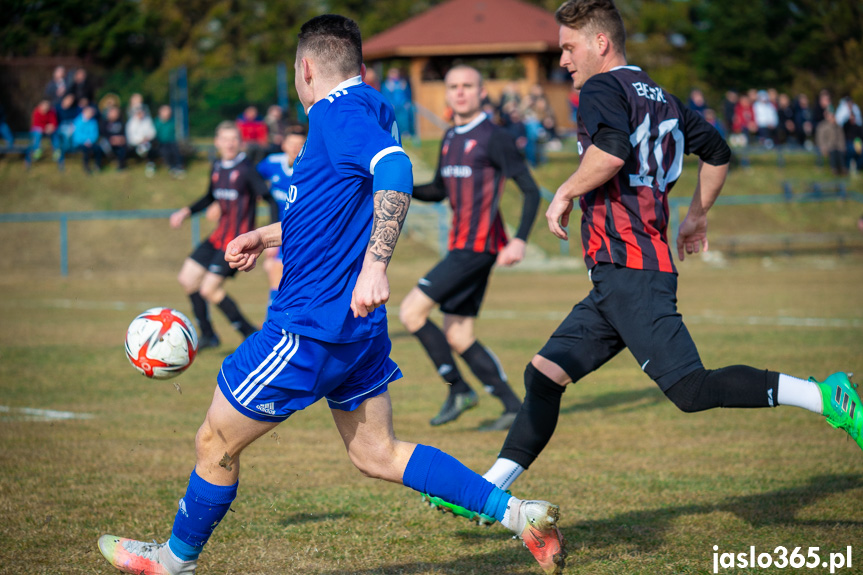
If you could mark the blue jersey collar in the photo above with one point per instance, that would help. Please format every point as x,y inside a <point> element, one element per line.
<point>350,82</point>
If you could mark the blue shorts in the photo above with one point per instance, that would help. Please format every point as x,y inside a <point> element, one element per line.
<point>275,373</point>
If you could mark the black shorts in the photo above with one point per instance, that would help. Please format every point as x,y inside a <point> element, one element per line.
<point>629,308</point>
<point>212,259</point>
<point>457,283</point>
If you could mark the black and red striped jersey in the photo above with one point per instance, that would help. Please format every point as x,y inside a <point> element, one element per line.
<point>625,221</point>
<point>236,185</point>
<point>475,161</point>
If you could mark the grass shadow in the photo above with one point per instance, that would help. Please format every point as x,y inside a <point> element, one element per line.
<point>638,398</point>
<point>302,518</point>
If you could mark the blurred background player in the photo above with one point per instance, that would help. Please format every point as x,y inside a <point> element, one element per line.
<point>330,338</point>
<point>476,158</point>
<point>632,136</point>
<point>277,169</point>
<point>236,186</point>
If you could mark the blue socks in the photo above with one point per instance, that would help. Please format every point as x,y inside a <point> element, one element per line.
<point>432,471</point>
<point>201,510</point>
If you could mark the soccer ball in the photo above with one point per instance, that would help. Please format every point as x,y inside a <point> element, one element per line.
<point>161,343</point>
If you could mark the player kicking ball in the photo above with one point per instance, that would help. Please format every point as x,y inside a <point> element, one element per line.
<point>326,335</point>
<point>631,138</point>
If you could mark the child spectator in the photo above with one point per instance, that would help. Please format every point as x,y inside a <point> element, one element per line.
<point>166,139</point>
<point>86,136</point>
<point>113,134</point>
<point>42,122</point>
<point>67,111</point>
<point>140,133</point>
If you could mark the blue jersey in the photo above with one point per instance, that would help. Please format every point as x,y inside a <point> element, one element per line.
<point>328,220</point>
<point>275,169</point>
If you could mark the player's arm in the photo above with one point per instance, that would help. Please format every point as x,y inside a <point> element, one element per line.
<point>393,182</point>
<point>199,205</point>
<point>243,251</point>
<point>505,155</point>
<point>596,168</point>
<point>714,154</point>
<point>434,191</point>
<point>604,112</point>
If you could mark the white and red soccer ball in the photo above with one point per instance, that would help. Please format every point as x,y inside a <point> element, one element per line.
<point>161,343</point>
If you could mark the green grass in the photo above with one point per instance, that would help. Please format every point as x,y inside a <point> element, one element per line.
<point>643,488</point>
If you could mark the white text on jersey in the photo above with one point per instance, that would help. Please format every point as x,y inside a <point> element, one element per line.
<point>456,171</point>
<point>649,92</point>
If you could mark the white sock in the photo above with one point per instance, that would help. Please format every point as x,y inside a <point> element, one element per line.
<point>512,518</point>
<point>174,564</point>
<point>503,473</point>
<point>799,393</point>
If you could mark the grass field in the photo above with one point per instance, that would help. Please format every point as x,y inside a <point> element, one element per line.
<point>643,488</point>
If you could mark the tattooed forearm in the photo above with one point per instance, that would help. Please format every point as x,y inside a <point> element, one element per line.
<point>391,208</point>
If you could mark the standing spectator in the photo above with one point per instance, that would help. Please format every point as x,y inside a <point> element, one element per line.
<point>853,131</point>
<point>276,126</point>
<point>43,122</point>
<point>846,109</point>
<point>82,87</point>
<point>397,90</point>
<point>85,137</point>
<point>786,132</point>
<point>67,111</point>
<point>5,132</point>
<point>253,134</point>
<point>824,103</point>
<point>696,102</point>
<point>729,104</point>
<point>166,138</point>
<point>136,101</point>
<point>510,99</point>
<point>803,121</point>
<point>831,142</point>
<point>113,133</point>
<point>140,133</point>
<point>766,119</point>
<point>57,87</point>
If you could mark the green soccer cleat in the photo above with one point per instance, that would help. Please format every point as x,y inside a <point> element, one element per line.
<point>457,510</point>
<point>842,406</point>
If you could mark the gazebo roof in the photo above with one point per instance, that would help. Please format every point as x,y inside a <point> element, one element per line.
<point>461,27</point>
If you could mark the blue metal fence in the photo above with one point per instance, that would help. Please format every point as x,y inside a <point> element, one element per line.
<point>814,192</point>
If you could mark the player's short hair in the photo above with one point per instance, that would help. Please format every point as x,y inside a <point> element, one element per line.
<point>466,67</point>
<point>594,16</point>
<point>227,125</point>
<point>295,130</point>
<point>334,42</point>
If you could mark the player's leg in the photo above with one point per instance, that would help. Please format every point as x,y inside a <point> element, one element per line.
<point>190,277</point>
<point>660,342</point>
<point>373,449</point>
<point>211,489</point>
<point>213,290</point>
<point>459,330</point>
<point>414,314</point>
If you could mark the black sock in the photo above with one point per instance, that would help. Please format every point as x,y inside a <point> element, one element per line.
<point>202,315</point>
<point>436,346</point>
<point>536,420</point>
<point>232,312</point>
<point>486,367</point>
<point>733,386</point>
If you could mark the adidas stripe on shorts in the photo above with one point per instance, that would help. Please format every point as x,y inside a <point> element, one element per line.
<point>275,373</point>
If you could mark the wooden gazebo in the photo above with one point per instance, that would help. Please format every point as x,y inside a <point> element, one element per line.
<point>470,30</point>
